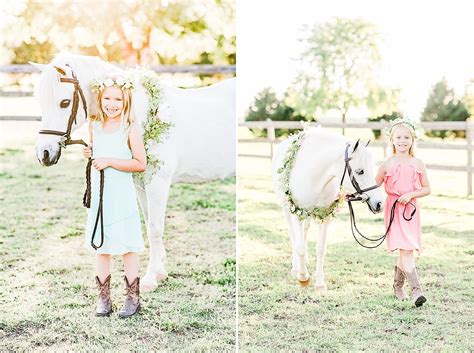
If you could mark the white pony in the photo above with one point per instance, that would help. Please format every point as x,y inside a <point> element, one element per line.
<point>315,181</point>
<point>200,145</point>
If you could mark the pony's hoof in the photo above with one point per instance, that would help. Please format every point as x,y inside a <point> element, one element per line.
<point>147,286</point>
<point>161,276</point>
<point>306,283</point>
<point>303,278</point>
<point>321,289</point>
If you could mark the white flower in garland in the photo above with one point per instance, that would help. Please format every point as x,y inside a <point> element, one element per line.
<point>109,82</point>
<point>100,83</point>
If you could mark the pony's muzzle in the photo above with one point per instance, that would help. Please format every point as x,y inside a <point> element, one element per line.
<point>48,157</point>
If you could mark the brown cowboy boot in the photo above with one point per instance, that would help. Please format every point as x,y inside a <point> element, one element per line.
<point>417,292</point>
<point>104,303</point>
<point>398,281</point>
<point>132,298</point>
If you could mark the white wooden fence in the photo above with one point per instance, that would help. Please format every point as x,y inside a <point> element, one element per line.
<point>467,126</point>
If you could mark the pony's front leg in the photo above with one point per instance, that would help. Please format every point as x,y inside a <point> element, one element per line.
<point>306,224</point>
<point>294,256</point>
<point>157,192</point>
<point>301,248</point>
<point>320,252</point>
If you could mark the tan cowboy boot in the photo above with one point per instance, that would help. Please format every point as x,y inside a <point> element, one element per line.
<point>132,298</point>
<point>398,281</point>
<point>104,303</point>
<point>417,292</point>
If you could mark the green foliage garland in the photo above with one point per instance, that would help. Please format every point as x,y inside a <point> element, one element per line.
<point>319,213</point>
<point>155,130</point>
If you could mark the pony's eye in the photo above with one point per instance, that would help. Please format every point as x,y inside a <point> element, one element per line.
<point>360,171</point>
<point>65,103</point>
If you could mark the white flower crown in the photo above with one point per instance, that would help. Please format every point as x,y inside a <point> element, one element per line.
<point>122,82</point>
<point>405,122</point>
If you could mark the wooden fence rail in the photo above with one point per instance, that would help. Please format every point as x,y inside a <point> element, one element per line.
<point>171,69</point>
<point>467,126</point>
<point>160,69</point>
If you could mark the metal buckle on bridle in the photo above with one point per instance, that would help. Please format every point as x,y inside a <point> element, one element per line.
<point>62,141</point>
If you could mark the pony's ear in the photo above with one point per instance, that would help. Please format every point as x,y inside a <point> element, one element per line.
<point>356,145</point>
<point>61,71</point>
<point>367,143</point>
<point>40,67</point>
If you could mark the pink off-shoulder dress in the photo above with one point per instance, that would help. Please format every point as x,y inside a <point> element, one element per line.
<point>405,235</point>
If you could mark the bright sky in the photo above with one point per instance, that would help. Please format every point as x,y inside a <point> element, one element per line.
<point>424,41</point>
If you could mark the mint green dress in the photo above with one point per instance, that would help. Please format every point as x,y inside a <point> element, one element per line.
<point>122,228</point>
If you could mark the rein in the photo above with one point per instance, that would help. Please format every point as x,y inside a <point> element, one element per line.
<point>66,141</point>
<point>360,195</point>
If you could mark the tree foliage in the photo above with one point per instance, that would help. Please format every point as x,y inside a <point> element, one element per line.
<point>339,67</point>
<point>140,31</point>
<point>267,105</point>
<point>387,117</point>
<point>442,105</point>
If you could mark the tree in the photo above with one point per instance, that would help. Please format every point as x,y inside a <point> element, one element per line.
<point>267,105</point>
<point>339,65</point>
<point>442,105</point>
<point>130,32</point>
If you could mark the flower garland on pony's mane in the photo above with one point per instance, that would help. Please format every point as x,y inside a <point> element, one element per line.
<point>155,130</point>
<point>321,214</point>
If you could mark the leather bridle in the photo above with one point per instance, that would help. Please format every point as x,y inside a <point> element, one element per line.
<point>360,195</point>
<point>66,136</point>
<point>66,141</point>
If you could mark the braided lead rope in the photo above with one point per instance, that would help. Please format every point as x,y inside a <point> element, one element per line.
<point>382,238</point>
<point>86,201</point>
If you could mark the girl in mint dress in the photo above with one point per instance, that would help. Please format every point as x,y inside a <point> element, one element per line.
<point>117,150</point>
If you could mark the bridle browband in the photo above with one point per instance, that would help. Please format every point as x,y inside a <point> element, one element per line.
<point>360,195</point>
<point>66,141</point>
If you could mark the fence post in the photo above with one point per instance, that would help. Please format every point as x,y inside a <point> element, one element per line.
<point>271,135</point>
<point>384,139</point>
<point>469,138</point>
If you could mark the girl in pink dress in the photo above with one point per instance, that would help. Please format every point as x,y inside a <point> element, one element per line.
<point>405,180</point>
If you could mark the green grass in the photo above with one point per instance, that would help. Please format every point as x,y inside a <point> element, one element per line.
<point>47,294</point>
<point>359,311</point>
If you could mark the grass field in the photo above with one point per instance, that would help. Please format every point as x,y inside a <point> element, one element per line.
<point>358,312</point>
<point>47,294</point>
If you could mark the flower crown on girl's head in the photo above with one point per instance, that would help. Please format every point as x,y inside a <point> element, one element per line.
<point>405,122</point>
<point>122,82</point>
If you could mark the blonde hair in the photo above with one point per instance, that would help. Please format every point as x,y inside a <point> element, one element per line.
<point>411,150</point>
<point>126,116</point>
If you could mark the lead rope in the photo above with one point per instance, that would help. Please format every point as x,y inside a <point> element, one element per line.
<point>86,201</point>
<point>382,238</point>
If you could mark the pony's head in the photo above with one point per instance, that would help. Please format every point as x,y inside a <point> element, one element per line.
<point>361,164</point>
<point>55,96</point>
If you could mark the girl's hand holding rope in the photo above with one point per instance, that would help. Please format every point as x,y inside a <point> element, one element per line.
<point>87,152</point>
<point>100,163</point>
<point>405,198</point>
